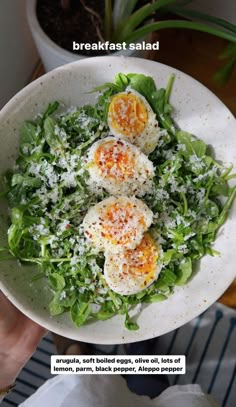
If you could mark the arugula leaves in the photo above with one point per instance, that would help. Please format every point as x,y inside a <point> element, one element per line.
<point>49,197</point>
<point>193,146</point>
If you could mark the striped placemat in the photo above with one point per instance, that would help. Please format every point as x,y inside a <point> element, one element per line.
<point>208,341</point>
<point>34,374</point>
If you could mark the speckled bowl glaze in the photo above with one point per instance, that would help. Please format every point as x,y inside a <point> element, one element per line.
<point>196,110</point>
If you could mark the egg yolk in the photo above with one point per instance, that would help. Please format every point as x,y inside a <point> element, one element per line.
<point>114,160</point>
<point>120,223</point>
<point>142,260</point>
<point>128,114</point>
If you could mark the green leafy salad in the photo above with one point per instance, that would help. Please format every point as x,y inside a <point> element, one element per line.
<point>55,187</point>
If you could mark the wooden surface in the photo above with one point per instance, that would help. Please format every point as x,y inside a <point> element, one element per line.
<point>197,55</point>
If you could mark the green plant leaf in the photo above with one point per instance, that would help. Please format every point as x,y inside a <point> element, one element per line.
<point>130,324</point>
<point>189,25</point>
<point>229,51</point>
<point>104,314</point>
<point>122,81</point>
<point>108,19</point>
<point>184,12</point>
<point>80,312</point>
<point>55,307</point>
<point>184,271</point>
<point>122,10</point>
<point>197,147</point>
<point>142,84</point>
<point>16,216</point>
<point>130,23</point>
<point>155,298</point>
<point>57,281</point>
<point>25,181</point>
<point>169,88</point>
<point>168,277</point>
<point>226,208</point>
<point>52,107</point>
<point>28,133</point>
<point>14,237</point>
<point>49,134</point>
<point>224,73</point>
<point>15,195</point>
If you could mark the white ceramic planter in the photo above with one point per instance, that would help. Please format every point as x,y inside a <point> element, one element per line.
<point>51,54</point>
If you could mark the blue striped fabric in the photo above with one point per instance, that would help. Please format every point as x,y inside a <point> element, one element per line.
<point>208,341</point>
<point>34,374</point>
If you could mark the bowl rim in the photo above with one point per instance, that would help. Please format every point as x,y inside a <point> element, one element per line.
<point>93,61</point>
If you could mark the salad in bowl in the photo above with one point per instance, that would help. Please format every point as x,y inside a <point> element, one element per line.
<point>114,202</point>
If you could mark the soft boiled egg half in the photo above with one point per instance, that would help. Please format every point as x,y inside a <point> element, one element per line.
<point>119,167</point>
<point>132,271</point>
<point>131,117</point>
<point>117,223</point>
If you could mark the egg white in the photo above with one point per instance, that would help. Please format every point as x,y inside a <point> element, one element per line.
<point>117,178</point>
<point>147,139</point>
<point>117,223</point>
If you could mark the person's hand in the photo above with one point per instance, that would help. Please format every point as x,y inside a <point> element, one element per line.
<point>19,337</point>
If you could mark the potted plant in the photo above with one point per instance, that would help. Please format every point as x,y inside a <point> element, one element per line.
<point>92,21</point>
<point>113,23</point>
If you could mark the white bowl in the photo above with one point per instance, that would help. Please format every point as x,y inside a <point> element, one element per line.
<point>196,110</point>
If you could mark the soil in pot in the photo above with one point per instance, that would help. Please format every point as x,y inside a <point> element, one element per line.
<point>65,21</point>
<point>81,21</point>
